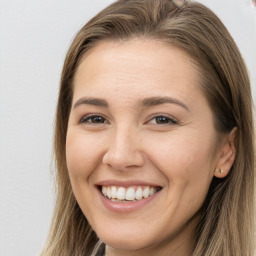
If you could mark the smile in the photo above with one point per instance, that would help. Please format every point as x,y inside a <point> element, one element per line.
<point>129,194</point>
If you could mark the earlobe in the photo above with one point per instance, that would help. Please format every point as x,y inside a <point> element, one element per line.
<point>226,156</point>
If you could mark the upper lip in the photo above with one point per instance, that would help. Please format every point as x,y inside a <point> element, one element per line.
<point>127,183</point>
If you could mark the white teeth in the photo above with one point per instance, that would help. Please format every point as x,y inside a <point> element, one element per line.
<point>129,194</point>
<point>104,190</point>
<point>109,194</point>
<point>121,193</point>
<point>113,192</point>
<point>146,192</point>
<point>152,191</point>
<point>139,193</point>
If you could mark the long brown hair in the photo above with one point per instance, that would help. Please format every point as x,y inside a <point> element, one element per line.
<point>227,216</point>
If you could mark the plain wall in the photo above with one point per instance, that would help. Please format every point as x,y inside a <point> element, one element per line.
<point>34,37</point>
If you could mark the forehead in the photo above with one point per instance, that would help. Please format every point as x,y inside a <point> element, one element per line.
<point>136,62</point>
<point>136,51</point>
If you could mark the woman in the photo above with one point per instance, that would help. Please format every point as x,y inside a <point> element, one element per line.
<point>154,136</point>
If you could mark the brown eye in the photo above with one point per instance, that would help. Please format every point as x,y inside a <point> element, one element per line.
<point>93,120</point>
<point>163,120</point>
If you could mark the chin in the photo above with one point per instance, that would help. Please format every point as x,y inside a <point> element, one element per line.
<point>126,242</point>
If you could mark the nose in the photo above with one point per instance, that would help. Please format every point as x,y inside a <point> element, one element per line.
<point>124,151</point>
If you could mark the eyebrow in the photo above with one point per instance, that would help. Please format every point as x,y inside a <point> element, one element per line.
<point>91,101</point>
<point>153,101</point>
<point>147,102</point>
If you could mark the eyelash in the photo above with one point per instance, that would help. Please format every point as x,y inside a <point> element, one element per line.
<point>169,120</point>
<point>89,120</point>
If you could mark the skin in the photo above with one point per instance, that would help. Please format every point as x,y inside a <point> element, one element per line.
<point>128,142</point>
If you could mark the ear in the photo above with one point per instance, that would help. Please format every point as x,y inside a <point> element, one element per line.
<point>226,156</point>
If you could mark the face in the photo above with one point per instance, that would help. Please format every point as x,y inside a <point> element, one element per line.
<point>140,145</point>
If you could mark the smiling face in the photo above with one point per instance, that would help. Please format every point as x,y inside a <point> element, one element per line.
<point>140,146</point>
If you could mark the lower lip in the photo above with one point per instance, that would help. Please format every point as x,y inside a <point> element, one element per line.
<point>127,206</point>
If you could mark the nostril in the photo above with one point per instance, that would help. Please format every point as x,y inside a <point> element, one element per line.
<point>123,160</point>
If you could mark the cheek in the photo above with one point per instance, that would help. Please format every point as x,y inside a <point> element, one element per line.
<point>183,154</point>
<point>82,154</point>
<point>186,162</point>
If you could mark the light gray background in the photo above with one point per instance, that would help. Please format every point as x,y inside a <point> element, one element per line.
<point>34,37</point>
